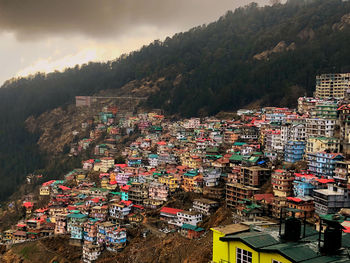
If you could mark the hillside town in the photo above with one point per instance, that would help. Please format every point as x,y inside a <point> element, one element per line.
<point>270,166</point>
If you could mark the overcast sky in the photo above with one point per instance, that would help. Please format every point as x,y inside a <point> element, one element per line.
<point>48,35</point>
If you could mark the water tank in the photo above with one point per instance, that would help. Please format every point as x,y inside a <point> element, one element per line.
<point>292,229</point>
<point>332,239</point>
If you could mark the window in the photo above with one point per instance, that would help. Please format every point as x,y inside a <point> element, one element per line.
<point>243,256</point>
<point>276,261</point>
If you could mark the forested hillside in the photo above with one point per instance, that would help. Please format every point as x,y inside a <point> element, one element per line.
<point>267,55</point>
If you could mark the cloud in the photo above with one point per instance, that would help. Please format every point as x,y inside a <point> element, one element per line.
<point>32,19</point>
<point>82,50</point>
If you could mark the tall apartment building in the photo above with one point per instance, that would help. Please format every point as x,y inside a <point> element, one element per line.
<point>236,192</point>
<point>344,123</point>
<point>294,151</point>
<point>323,164</point>
<point>320,144</point>
<point>282,183</point>
<point>295,131</point>
<point>326,109</point>
<point>331,200</point>
<point>319,127</point>
<point>332,85</point>
<point>254,176</point>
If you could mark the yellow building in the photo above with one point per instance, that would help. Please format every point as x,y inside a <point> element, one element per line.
<point>170,181</point>
<point>320,144</point>
<point>8,234</point>
<point>332,85</point>
<point>193,162</point>
<point>237,244</point>
<point>45,190</point>
<point>80,177</point>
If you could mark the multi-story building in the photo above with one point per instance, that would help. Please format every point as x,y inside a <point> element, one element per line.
<point>304,204</point>
<point>230,137</point>
<point>60,224</point>
<point>153,160</point>
<point>170,181</point>
<point>188,217</point>
<point>138,192</point>
<point>273,141</point>
<point>236,192</point>
<point>306,104</point>
<point>332,85</point>
<point>295,131</point>
<point>119,210</point>
<point>211,177</point>
<point>99,212</point>
<point>192,182</point>
<point>341,173</point>
<point>158,191</point>
<point>344,122</point>
<point>326,109</point>
<point>278,203</point>
<point>91,252</point>
<point>169,214</point>
<point>204,206</point>
<point>294,151</point>
<point>320,144</point>
<point>90,230</point>
<point>254,176</point>
<point>216,193</point>
<point>331,200</point>
<point>282,183</point>
<point>75,225</point>
<point>317,127</point>
<point>304,184</point>
<point>323,163</point>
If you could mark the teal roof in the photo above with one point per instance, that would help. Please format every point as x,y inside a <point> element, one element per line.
<point>78,216</point>
<point>192,227</point>
<point>252,239</point>
<point>236,157</point>
<point>239,143</point>
<point>191,173</point>
<point>294,251</point>
<point>153,156</point>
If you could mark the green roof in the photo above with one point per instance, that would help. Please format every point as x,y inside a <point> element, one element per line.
<point>79,216</point>
<point>212,149</point>
<point>293,251</point>
<point>191,173</point>
<point>239,143</point>
<point>236,157</point>
<point>252,239</point>
<point>192,227</point>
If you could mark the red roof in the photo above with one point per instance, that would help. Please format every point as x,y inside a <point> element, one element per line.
<point>267,197</point>
<point>294,199</point>
<point>49,182</point>
<point>325,181</point>
<point>127,203</point>
<point>139,206</point>
<point>64,188</point>
<point>161,143</point>
<point>125,187</point>
<point>121,165</point>
<point>169,210</point>
<point>28,204</point>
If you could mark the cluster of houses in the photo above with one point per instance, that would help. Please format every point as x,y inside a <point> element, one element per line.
<point>259,164</point>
